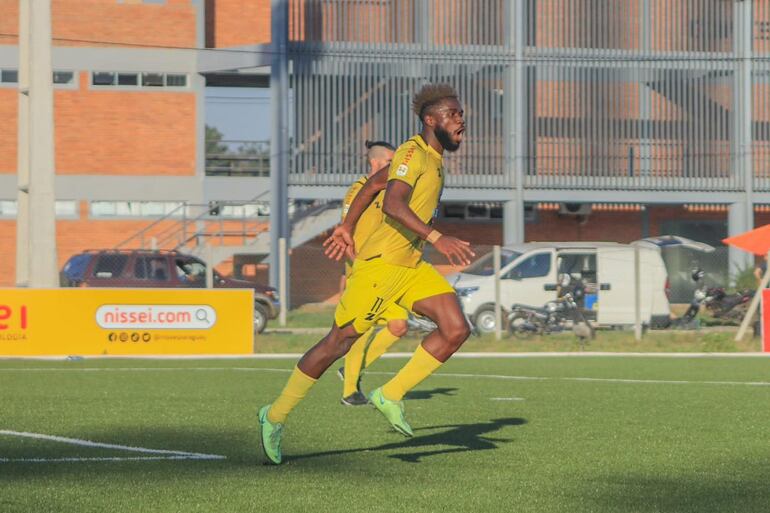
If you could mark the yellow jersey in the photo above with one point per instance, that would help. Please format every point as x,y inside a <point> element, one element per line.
<point>369,220</point>
<point>420,166</point>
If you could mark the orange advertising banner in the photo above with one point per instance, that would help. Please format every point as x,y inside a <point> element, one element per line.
<point>63,322</point>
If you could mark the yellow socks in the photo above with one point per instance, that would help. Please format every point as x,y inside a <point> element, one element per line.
<point>353,361</point>
<point>382,341</point>
<point>295,390</point>
<point>420,366</point>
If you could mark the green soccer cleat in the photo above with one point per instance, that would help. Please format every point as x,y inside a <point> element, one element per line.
<point>271,436</point>
<point>393,411</point>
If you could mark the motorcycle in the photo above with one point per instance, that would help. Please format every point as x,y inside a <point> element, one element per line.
<point>701,295</point>
<point>731,307</point>
<point>558,315</point>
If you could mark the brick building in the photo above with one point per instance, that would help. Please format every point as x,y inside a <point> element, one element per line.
<point>128,112</point>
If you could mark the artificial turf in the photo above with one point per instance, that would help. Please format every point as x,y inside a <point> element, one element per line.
<point>534,434</point>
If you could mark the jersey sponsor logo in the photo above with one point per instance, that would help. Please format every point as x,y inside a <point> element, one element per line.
<point>402,170</point>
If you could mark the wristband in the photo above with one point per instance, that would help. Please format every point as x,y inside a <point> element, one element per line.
<point>433,236</point>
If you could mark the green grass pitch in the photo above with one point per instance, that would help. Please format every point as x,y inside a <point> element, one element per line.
<point>536,434</point>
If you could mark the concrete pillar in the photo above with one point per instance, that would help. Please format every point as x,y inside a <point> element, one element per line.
<point>739,220</point>
<point>513,219</point>
<point>740,216</point>
<point>514,130</point>
<point>36,190</point>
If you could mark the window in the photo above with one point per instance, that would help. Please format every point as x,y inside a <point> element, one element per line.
<point>76,267</point>
<point>151,268</point>
<point>128,79</point>
<point>64,208</point>
<point>9,76</point>
<point>110,265</point>
<point>152,79</point>
<point>486,210</point>
<point>102,78</point>
<point>477,211</point>
<point>484,266</point>
<point>240,211</point>
<point>8,208</point>
<point>175,80</point>
<point>63,77</point>
<point>536,266</point>
<point>136,79</point>
<point>135,208</point>
<point>454,211</point>
<point>578,265</point>
<point>191,273</point>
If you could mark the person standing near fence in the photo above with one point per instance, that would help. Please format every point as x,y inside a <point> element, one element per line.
<point>390,269</point>
<point>760,269</point>
<point>379,154</point>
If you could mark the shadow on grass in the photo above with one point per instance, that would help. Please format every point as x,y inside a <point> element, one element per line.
<point>744,491</point>
<point>456,439</point>
<point>241,447</point>
<point>427,394</point>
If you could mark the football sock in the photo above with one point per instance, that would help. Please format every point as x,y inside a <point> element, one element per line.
<point>295,390</point>
<point>420,366</point>
<point>381,342</point>
<point>353,361</point>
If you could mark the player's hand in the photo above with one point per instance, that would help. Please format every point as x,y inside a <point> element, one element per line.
<point>457,251</point>
<point>339,244</point>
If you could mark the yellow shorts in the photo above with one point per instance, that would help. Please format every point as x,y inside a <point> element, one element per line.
<point>374,287</point>
<point>393,313</point>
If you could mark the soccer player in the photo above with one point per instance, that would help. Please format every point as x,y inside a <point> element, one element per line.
<point>389,269</point>
<point>379,154</point>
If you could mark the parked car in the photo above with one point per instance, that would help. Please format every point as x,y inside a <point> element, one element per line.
<point>159,269</point>
<point>529,275</point>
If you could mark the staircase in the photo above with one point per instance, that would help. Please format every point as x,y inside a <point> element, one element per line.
<point>215,232</point>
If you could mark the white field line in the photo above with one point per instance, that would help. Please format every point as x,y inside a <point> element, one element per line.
<point>438,374</point>
<point>114,458</point>
<point>160,454</point>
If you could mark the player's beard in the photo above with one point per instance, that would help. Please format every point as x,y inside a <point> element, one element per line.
<point>445,140</point>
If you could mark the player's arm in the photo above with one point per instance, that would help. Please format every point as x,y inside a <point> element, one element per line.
<point>396,205</point>
<point>340,242</point>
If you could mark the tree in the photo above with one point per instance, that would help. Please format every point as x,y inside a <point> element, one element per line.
<point>215,148</point>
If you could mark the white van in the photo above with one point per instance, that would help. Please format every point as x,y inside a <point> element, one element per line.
<point>529,274</point>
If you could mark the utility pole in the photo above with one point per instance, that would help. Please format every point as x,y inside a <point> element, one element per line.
<point>280,227</point>
<point>36,256</point>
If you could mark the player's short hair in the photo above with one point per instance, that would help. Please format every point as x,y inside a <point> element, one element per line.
<point>379,150</point>
<point>383,144</point>
<point>429,95</point>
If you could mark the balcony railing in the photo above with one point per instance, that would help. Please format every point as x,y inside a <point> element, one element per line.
<point>238,158</point>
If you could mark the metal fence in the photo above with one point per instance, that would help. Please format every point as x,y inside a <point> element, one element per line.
<point>237,158</point>
<point>606,94</point>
